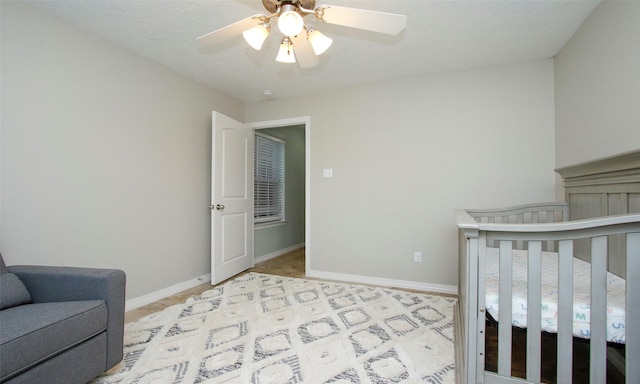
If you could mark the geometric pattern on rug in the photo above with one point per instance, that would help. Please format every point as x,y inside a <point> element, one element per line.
<point>271,329</point>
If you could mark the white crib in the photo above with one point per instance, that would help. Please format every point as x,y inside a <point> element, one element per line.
<point>607,246</point>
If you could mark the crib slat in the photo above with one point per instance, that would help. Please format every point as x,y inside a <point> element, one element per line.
<point>632,312</point>
<point>534,305</point>
<point>481,318</point>
<point>490,219</point>
<point>520,220</point>
<point>505,308</point>
<point>598,330</point>
<point>565,310</point>
<point>535,218</point>
<point>551,216</point>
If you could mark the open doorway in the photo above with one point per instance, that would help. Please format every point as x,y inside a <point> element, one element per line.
<point>284,243</point>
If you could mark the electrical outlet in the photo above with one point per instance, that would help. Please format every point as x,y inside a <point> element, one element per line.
<point>417,257</point>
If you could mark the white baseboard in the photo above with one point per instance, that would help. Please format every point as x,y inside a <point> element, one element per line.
<point>177,288</point>
<point>405,284</point>
<point>277,253</point>
<point>165,292</point>
<point>172,290</point>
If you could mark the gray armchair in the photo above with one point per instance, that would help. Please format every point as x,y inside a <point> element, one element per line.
<point>59,324</point>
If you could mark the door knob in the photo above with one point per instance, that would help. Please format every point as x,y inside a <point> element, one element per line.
<point>219,207</point>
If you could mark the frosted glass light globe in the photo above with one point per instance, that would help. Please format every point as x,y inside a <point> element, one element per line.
<point>290,22</point>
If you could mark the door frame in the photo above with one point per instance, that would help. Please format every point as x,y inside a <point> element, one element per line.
<point>306,121</point>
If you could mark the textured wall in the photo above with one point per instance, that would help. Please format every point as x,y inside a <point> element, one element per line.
<point>404,154</point>
<point>105,155</point>
<point>597,82</point>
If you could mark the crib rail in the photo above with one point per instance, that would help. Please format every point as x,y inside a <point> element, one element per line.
<point>520,214</point>
<point>540,213</point>
<point>521,228</point>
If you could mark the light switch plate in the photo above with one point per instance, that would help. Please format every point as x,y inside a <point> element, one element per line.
<point>327,172</point>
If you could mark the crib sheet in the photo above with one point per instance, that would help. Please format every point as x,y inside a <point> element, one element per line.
<point>581,295</point>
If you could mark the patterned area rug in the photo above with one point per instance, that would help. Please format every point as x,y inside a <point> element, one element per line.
<point>271,329</point>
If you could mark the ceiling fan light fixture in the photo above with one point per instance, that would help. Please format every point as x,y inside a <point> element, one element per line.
<point>319,42</point>
<point>285,54</point>
<point>301,44</point>
<point>290,21</point>
<point>256,35</point>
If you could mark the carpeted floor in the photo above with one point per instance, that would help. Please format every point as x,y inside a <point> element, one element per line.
<point>262,328</point>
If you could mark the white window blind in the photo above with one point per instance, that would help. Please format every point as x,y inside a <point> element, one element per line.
<point>268,184</point>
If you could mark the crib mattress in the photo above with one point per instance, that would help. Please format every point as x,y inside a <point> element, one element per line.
<point>581,295</point>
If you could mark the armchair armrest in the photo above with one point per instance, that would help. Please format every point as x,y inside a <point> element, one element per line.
<point>54,284</point>
<point>51,284</point>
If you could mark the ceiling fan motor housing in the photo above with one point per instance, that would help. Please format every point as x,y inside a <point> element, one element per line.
<point>272,5</point>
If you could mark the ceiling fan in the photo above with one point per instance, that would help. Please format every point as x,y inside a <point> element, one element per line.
<point>301,43</point>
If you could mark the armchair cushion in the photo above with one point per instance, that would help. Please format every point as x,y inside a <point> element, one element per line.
<point>31,334</point>
<point>12,291</point>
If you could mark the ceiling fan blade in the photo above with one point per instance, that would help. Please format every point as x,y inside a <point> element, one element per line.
<point>305,56</point>
<point>389,23</point>
<point>230,31</point>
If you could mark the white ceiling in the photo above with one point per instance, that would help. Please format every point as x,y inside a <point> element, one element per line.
<point>440,36</point>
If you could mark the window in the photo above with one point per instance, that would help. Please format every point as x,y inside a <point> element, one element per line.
<point>268,185</point>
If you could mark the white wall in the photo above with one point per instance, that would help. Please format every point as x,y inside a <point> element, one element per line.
<point>405,154</point>
<point>597,81</point>
<point>105,155</point>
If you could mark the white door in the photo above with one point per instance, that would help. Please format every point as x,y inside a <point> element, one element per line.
<point>231,198</point>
